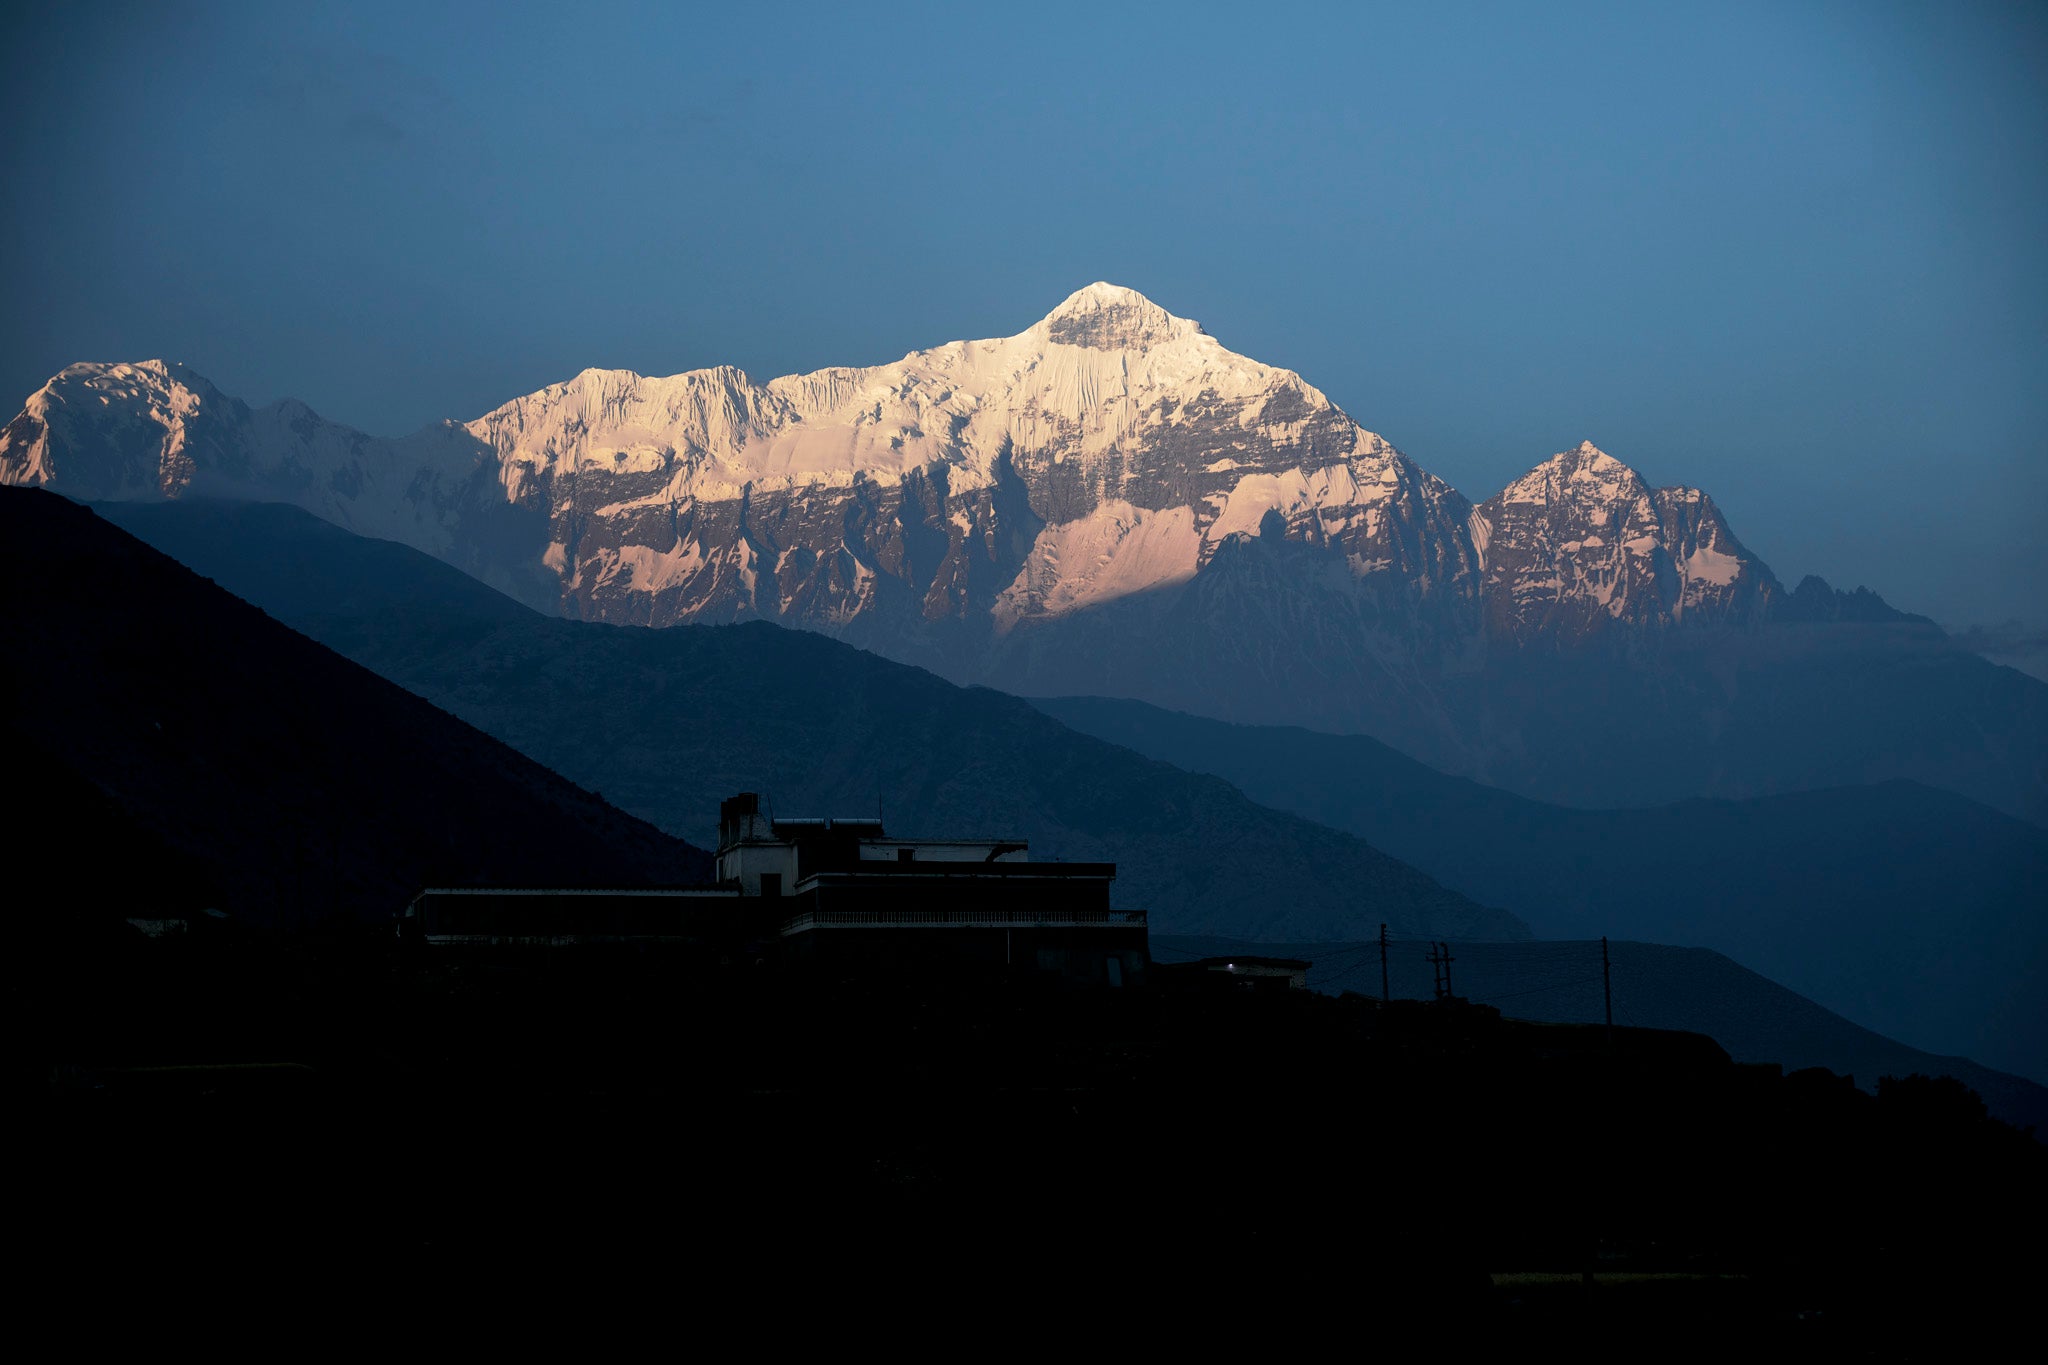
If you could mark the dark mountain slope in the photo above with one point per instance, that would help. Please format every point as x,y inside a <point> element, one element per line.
<point>1913,911</point>
<point>1731,713</point>
<point>170,747</point>
<point>666,722</point>
<point>1655,986</point>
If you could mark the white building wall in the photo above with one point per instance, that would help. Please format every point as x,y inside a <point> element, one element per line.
<point>745,863</point>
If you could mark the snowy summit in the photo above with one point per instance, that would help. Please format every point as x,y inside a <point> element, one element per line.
<point>1112,466</point>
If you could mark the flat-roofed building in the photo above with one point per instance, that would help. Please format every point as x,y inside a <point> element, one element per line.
<point>836,894</point>
<point>848,894</point>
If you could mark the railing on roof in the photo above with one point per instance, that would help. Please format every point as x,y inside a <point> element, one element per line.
<point>961,919</point>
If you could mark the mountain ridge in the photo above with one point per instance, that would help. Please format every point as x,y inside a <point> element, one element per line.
<point>1757,1019</point>
<point>174,750</point>
<point>1108,501</point>
<point>1107,401</point>
<point>1912,910</point>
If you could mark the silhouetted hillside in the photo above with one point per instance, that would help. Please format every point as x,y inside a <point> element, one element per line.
<point>667,722</point>
<point>1912,911</point>
<point>172,748</point>
<point>480,1112</point>
<point>1655,986</point>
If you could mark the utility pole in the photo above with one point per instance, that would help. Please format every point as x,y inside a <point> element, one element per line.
<point>1440,959</point>
<point>1385,996</point>
<point>1607,991</point>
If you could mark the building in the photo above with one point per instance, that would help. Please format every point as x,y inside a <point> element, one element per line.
<point>842,893</point>
<point>831,894</point>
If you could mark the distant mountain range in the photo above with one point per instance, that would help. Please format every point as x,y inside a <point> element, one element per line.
<point>1112,503</point>
<point>171,750</point>
<point>666,723</point>
<point>1913,911</point>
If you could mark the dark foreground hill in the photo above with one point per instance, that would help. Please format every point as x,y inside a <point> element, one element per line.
<point>739,1148</point>
<point>171,749</point>
<point>1654,986</point>
<point>1913,911</point>
<point>666,722</point>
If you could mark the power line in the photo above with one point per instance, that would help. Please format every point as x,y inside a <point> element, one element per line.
<point>1536,990</point>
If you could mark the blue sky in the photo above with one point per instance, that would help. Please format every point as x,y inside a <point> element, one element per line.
<point>1791,253</point>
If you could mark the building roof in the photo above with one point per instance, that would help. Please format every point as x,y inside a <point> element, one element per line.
<point>882,869</point>
<point>576,891</point>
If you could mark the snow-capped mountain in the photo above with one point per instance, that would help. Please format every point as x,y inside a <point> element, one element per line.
<point>156,430</point>
<point>1109,501</point>
<point>1106,452</point>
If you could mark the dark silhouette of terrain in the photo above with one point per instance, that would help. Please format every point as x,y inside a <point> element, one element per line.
<point>748,1145</point>
<point>237,1112</point>
<point>1654,986</point>
<point>667,722</point>
<point>1913,911</point>
<point>171,749</point>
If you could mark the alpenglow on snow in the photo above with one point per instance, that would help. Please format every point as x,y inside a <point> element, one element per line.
<point>1107,453</point>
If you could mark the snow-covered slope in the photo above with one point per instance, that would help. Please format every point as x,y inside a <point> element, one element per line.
<point>1106,450</point>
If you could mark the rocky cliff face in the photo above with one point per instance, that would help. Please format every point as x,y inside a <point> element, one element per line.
<point>1580,545</point>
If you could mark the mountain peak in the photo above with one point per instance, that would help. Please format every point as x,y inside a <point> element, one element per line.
<point>1109,317</point>
<point>1101,294</point>
<point>1583,470</point>
<point>1586,455</point>
<point>98,373</point>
